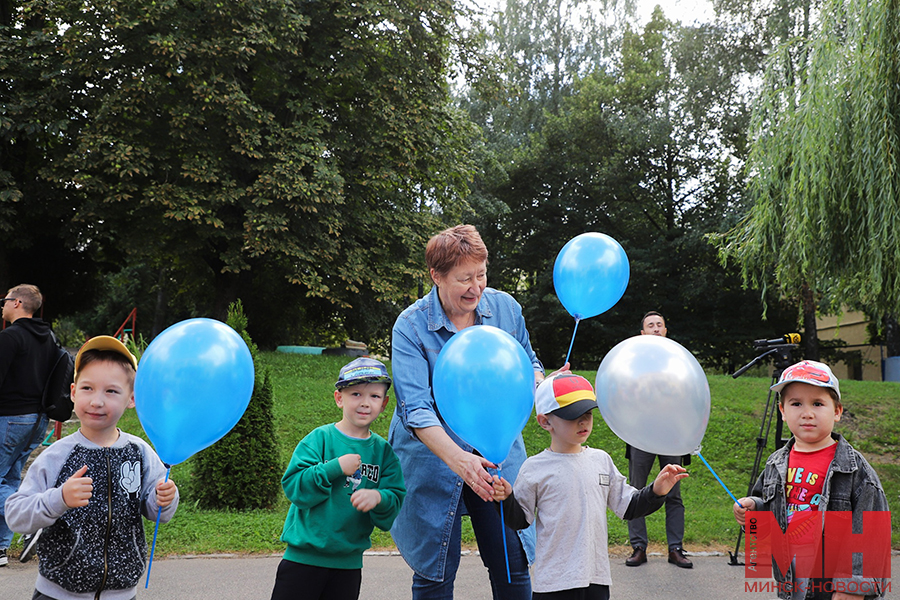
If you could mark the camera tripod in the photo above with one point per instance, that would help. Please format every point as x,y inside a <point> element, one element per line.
<point>781,354</point>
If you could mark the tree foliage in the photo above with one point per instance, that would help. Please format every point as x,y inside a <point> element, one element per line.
<point>824,165</point>
<point>540,48</point>
<point>647,149</point>
<point>176,154</point>
<point>212,141</point>
<point>761,25</point>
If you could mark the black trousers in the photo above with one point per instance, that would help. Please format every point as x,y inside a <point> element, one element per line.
<point>39,596</point>
<point>296,581</point>
<point>592,592</point>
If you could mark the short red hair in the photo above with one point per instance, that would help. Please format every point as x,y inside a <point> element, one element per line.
<point>452,246</point>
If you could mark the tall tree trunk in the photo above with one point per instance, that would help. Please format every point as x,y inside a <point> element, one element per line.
<point>810,329</point>
<point>162,302</point>
<point>227,286</point>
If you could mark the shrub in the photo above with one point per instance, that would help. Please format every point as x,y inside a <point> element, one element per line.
<point>136,345</point>
<point>68,333</point>
<point>241,471</point>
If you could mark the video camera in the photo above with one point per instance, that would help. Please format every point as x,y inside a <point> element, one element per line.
<point>788,338</point>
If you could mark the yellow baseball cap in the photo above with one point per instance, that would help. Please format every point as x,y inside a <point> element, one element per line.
<point>105,342</point>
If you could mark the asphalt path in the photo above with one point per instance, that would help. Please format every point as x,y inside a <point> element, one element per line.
<point>387,577</point>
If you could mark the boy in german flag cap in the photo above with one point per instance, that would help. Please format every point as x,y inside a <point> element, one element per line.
<point>567,489</point>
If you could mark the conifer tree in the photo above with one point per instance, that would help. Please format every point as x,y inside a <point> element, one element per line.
<point>241,470</point>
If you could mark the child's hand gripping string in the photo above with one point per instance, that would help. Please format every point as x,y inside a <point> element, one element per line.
<point>501,489</point>
<point>740,509</point>
<point>667,478</point>
<point>165,492</point>
<point>78,489</point>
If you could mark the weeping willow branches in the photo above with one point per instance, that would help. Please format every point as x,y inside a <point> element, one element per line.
<point>825,163</point>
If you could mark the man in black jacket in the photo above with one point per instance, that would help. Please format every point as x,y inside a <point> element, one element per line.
<point>27,352</point>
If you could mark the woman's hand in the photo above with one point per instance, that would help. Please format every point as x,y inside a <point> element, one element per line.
<point>471,467</point>
<point>473,470</point>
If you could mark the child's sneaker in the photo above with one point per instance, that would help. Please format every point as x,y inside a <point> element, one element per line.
<point>3,559</point>
<point>29,545</point>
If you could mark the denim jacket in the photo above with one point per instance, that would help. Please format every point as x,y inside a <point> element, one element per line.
<point>422,529</point>
<point>850,485</point>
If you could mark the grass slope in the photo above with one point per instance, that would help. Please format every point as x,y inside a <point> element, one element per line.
<point>304,386</point>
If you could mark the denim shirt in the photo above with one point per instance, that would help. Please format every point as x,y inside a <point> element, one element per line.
<point>423,527</point>
<point>851,484</point>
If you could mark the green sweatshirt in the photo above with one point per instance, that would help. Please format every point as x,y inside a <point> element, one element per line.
<point>322,528</point>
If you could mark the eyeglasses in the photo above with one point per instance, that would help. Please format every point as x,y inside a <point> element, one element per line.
<point>3,300</point>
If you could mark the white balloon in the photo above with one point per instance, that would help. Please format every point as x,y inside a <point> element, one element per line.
<point>654,395</point>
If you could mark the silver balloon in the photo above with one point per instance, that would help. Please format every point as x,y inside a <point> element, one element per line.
<point>654,395</point>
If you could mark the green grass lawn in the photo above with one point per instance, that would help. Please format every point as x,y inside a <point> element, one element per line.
<point>304,386</point>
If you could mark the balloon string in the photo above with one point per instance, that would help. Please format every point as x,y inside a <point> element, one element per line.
<point>717,478</point>
<point>569,353</point>
<point>155,531</point>
<point>503,531</point>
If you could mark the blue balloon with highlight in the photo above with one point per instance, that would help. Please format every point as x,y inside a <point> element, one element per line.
<point>193,384</point>
<point>590,274</point>
<point>483,386</point>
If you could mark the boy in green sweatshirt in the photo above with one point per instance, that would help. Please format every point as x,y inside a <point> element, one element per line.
<point>342,481</point>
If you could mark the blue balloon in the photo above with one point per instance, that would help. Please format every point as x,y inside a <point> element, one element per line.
<point>483,386</point>
<point>193,384</point>
<point>590,274</point>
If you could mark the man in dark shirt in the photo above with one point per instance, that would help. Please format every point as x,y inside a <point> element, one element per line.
<point>27,351</point>
<point>639,465</point>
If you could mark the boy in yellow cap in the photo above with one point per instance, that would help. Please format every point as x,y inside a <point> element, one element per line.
<point>567,489</point>
<point>92,544</point>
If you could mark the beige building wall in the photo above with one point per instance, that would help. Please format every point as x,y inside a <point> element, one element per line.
<point>851,327</point>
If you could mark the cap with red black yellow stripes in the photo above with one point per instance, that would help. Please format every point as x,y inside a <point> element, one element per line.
<point>567,396</point>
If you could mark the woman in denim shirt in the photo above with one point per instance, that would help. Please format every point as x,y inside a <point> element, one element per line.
<point>444,476</point>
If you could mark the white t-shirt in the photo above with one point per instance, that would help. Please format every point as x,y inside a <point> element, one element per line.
<point>568,494</point>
